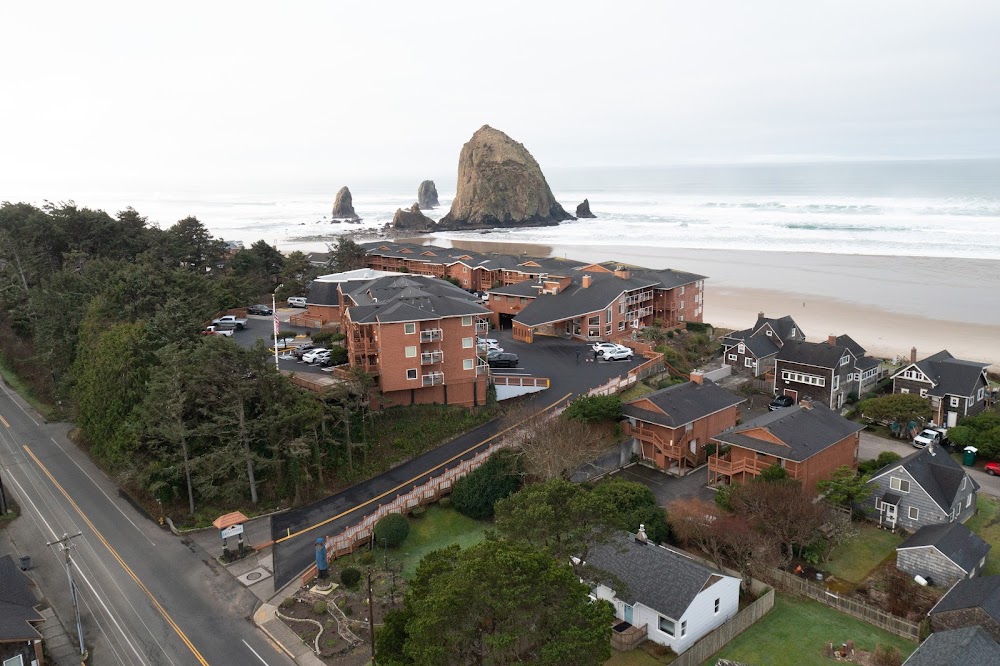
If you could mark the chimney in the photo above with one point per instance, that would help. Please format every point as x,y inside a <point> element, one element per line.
<point>697,376</point>
<point>806,403</point>
<point>831,340</point>
<point>913,354</point>
<point>622,272</point>
<point>640,536</point>
<point>585,281</point>
<point>760,315</point>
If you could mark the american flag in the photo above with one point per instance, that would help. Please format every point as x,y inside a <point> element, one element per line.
<point>276,323</point>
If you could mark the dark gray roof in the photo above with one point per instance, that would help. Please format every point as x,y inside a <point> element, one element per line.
<point>954,540</point>
<point>668,278</point>
<point>577,300</point>
<point>761,346</point>
<point>936,472</point>
<point>950,375</point>
<point>17,604</point>
<point>782,326</point>
<point>526,288</point>
<point>805,430</point>
<point>866,362</point>
<point>323,293</point>
<point>820,354</point>
<point>737,336</point>
<point>408,298</point>
<point>957,647</point>
<point>659,578</point>
<point>849,343</point>
<point>891,498</point>
<point>977,592</point>
<point>684,403</point>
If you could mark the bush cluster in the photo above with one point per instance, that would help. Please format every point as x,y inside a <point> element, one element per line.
<point>391,530</point>
<point>476,493</point>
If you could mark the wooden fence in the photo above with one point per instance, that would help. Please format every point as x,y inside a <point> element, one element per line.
<point>653,365</point>
<point>854,607</point>
<point>721,636</point>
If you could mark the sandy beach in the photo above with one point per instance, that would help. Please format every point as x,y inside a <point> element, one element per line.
<point>887,304</point>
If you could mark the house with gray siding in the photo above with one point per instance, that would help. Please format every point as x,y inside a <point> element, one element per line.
<point>676,599</point>
<point>753,351</point>
<point>957,647</point>
<point>925,488</point>
<point>954,388</point>
<point>973,602</point>
<point>943,554</point>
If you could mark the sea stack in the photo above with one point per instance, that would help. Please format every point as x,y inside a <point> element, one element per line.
<point>427,195</point>
<point>500,185</point>
<point>343,206</point>
<point>412,220</point>
<point>583,210</point>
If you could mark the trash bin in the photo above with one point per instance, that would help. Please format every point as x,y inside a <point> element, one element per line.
<point>969,456</point>
<point>25,563</point>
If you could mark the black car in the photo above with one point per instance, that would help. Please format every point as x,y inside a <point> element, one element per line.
<point>259,310</point>
<point>781,401</point>
<point>502,360</point>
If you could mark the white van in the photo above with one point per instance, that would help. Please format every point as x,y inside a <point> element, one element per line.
<point>296,301</point>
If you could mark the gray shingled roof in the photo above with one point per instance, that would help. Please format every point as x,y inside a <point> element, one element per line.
<point>323,293</point>
<point>683,403</point>
<point>17,604</point>
<point>782,326</point>
<point>761,346</point>
<point>936,472</point>
<point>950,375</point>
<point>954,540</point>
<point>957,647</point>
<point>805,430</point>
<point>848,342</point>
<point>820,354</point>
<point>668,278</point>
<point>526,288</point>
<point>409,298</point>
<point>977,592</point>
<point>866,362</point>
<point>657,577</point>
<point>577,300</point>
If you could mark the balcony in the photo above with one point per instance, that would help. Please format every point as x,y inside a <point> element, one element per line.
<point>364,343</point>
<point>638,298</point>
<point>430,358</point>
<point>482,369</point>
<point>482,326</point>
<point>431,335</point>
<point>433,379</point>
<point>727,466</point>
<point>638,313</point>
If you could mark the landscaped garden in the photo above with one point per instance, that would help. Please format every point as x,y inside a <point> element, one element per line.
<point>854,560</point>
<point>795,632</point>
<point>986,523</point>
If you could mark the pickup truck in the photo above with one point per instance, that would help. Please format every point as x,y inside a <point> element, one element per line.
<point>231,321</point>
<point>212,330</point>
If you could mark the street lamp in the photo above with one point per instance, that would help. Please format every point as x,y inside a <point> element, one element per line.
<point>274,311</point>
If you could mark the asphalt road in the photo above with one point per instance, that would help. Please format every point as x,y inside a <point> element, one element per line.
<point>872,445</point>
<point>147,597</point>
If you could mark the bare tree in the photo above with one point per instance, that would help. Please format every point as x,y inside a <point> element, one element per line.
<point>554,448</point>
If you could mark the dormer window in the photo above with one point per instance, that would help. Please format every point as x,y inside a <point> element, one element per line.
<point>768,333</point>
<point>742,348</point>
<point>793,331</point>
<point>845,360</point>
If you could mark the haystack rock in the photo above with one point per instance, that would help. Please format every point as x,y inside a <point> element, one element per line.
<point>500,185</point>
<point>583,210</point>
<point>427,195</point>
<point>412,219</point>
<point>343,206</point>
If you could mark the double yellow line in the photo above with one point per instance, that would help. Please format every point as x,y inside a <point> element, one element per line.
<point>114,553</point>
<point>424,473</point>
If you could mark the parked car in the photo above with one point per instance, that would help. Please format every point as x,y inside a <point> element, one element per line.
<point>619,354</point>
<point>302,349</point>
<point>213,330</point>
<point>310,356</point>
<point>259,310</point>
<point>320,357</point>
<point>993,468</point>
<point>232,321</point>
<point>781,402</point>
<point>929,436</point>
<point>601,347</point>
<point>296,301</point>
<point>502,360</point>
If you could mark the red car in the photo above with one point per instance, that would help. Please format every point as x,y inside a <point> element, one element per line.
<point>993,468</point>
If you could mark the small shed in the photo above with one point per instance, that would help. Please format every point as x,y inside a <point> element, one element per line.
<point>943,553</point>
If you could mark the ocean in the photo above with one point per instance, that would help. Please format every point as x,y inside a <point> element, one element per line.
<point>927,208</point>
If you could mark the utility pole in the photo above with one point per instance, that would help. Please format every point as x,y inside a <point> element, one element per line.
<point>64,546</point>
<point>3,497</point>
<point>274,311</point>
<point>371,615</point>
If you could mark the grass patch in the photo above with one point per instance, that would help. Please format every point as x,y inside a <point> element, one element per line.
<point>438,528</point>
<point>637,391</point>
<point>986,523</point>
<point>17,384</point>
<point>854,560</point>
<point>795,631</point>
<point>636,657</point>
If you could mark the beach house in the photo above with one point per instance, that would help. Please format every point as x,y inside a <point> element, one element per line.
<point>752,351</point>
<point>954,387</point>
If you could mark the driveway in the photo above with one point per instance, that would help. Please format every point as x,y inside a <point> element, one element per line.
<point>261,328</point>
<point>668,488</point>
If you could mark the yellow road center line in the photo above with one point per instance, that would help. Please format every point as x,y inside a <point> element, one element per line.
<point>4,421</point>
<point>433,469</point>
<point>114,553</point>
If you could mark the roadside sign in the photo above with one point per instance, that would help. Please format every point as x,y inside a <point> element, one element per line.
<point>232,531</point>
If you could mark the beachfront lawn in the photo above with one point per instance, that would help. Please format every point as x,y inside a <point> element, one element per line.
<point>795,631</point>
<point>438,528</point>
<point>986,523</point>
<point>854,560</point>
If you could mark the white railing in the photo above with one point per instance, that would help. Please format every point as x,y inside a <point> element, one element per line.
<point>432,379</point>
<point>430,358</point>
<point>482,326</point>
<point>431,335</point>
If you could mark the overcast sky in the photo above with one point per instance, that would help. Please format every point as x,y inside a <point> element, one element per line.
<point>155,93</point>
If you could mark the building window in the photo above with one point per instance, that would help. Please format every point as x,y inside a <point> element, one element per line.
<point>594,321</point>
<point>748,362</point>
<point>954,401</point>
<point>845,360</point>
<point>468,364</point>
<point>767,332</point>
<point>684,627</point>
<point>904,391</point>
<point>681,318</point>
<point>732,357</point>
<point>836,382</point>
<point>803,378</point>
<point>914,513</point>
<point>742,348</point>
<point>902,485</point>
<point>607,330</point>
<point>467,320</point>
<point>962,487</point>
<point>409,329</point>
<point>968,501</point>
<point>681,305</point>
<point>621,325</point>
<point>621,308</point>
<point>682,292</point>
<point>607,316</point>
<point>979,396</point>
<point>466,343</point>
<point>667,626</point>
<point>923,393</point>
<point>411,351</point>
<point>411,373</point>
<point>717,605</point>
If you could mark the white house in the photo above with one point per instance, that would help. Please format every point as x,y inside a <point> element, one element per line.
<point>676,598</point>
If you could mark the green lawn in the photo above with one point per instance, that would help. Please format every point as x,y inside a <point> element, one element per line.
<point>439,527</point>
<point>636,657</point>
<point>986,523</point>
<point>795,631</point>
<point>637,390</point>
<point>854,560</point>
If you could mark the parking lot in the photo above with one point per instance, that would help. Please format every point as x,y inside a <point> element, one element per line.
<point>261,327</point>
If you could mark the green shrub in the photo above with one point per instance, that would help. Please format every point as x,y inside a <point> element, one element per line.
<point>391,530</point>
<point>367,557</point>
<point>418,511</point>
<point>319,608</point>
<point>476,493</point>
<point>321,337</point>
<point>697,327</point>
<point>338,355</point>
<point>350,576</point>
<point>670,334</point>
<point>883,459</point>
<point>595,408</point>
<point>886,656</point>
<point>287,603</point>
<point>445,501</point>
<point>348,611</point>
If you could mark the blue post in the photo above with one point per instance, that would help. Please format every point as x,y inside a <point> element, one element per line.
<point>322,565</point>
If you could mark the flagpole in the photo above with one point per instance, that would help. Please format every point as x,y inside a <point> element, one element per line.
<point>274,311</point>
